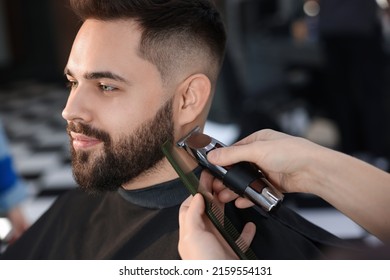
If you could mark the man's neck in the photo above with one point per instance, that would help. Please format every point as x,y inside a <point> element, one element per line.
<point>162,172</point>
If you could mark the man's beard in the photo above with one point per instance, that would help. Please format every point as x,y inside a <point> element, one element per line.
<point>122,160</point>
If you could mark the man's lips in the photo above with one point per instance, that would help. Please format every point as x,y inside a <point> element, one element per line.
<point>81,141</point>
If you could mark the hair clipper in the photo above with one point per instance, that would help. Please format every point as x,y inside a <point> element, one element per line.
<point>243,178</point>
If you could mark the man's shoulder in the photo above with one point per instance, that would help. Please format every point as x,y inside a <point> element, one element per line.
<point>77,194</point>
<point>69,204</point>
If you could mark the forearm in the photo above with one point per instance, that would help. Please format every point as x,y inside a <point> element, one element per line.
<point>357,189</point>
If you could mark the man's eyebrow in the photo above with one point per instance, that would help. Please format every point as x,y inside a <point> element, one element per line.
<point>99,75</point>
<point>67,72</point>
<point>104,74</point>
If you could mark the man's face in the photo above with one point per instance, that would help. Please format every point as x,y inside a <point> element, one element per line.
<point>118,115</point>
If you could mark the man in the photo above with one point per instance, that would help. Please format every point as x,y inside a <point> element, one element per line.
<point>140,73</point>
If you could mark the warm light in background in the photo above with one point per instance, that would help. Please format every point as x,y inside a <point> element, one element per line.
<point>383,4</point>
<point>311,8</point>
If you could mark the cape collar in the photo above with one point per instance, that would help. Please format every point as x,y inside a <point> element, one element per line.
<point>163,195</point>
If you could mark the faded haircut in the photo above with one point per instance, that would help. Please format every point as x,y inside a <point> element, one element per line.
<point>174,32</point>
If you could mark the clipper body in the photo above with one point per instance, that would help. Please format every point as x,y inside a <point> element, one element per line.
<point>243,178</point>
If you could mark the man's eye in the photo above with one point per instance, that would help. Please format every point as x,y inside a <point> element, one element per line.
<point>107,88</point>
<point>71,84</point>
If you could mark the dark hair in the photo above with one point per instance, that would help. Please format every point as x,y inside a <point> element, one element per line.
<point>174,32</point>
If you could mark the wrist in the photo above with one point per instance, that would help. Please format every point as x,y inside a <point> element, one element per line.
<point>322,163</point>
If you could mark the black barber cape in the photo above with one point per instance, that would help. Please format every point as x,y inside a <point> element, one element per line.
<point>143,224</point>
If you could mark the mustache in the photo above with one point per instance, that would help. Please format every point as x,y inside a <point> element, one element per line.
<point>88,131</point>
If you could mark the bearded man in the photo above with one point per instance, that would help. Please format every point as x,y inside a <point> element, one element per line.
<point>142,72</point>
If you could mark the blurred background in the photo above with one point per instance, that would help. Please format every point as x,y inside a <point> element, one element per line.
<point>317,69</point>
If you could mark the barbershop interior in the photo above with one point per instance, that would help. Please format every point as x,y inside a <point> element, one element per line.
<point>290,65</point>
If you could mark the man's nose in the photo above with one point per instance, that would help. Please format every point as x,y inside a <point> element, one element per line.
<point>78,106</point>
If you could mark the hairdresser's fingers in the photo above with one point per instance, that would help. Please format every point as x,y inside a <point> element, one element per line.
<point>262,135</point>
<point>191,211</point>
<point>206,182</point>
<point>233,154</point>
<point>226,195</point>
<point>252,148</point>
<point>227,155</point>
<point>218,186</point>
<point>183,209</point>
<point>195,239</point>
<point>242,202</point>
<point>247,234</point>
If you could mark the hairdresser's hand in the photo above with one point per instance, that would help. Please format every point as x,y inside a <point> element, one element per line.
<point>199,239</point>
<point>287,161</point>
<point>294,164</point>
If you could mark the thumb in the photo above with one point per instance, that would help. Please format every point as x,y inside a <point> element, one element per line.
<point>230,155</point>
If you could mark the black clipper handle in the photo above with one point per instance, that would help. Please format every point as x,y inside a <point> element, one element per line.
<point>239,176</point>
<point>247,180</point>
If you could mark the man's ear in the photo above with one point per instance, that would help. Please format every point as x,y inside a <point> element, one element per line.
<point>195,93</point>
